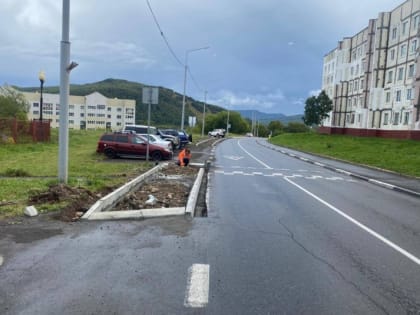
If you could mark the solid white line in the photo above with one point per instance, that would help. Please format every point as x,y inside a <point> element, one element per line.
<point>362,226</point>
<point>197,293</point>
<point>1,260</point>
<point>259,161</point>
<point>386,185</point>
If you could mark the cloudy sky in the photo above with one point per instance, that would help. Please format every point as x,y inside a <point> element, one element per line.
<point>265,55</point>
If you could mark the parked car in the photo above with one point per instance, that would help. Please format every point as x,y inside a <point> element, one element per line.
<point>174,133</point>
<point>126,144</point>
<point>217,133</point>
<point>155,139</point>
<point>142,129</point>
<point>184,138</point>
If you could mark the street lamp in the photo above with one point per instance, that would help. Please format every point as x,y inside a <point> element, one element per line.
<point>204,113</point>
<point>185,81</point>
<point>41,77</point>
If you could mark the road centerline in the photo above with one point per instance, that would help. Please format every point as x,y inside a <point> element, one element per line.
<point>359,224</point>
<point>252,156</point>
<point>197,293</point>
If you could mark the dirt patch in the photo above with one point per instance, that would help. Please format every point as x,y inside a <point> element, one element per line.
<point>168,189</point>
<point>78,200</point>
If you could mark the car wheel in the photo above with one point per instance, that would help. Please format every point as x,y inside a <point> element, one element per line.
<point>157,156</point>
<point>110,153</point>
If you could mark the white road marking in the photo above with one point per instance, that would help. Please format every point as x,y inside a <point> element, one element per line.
<point>259,161</point>
<point>362,226</point>
<point>1,260</point>
<point>197,293</point>
<point>319,164</point>
<point>233,157</point>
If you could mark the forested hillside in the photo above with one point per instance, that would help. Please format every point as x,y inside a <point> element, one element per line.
<point>166,113</point>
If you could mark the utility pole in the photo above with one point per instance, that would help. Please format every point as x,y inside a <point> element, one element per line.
<point>204,113</point>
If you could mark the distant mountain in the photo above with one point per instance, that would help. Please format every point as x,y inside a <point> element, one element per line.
<point>167,113</point>
<point>265,118</point>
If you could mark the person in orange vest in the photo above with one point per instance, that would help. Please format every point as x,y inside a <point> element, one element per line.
<point>184,157</point>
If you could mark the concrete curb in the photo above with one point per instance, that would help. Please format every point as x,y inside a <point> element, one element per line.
<point>338,170</point>
<point>111,199</point>
<point>99,210</point>
<point>192,200</point>
<point>137,214</point>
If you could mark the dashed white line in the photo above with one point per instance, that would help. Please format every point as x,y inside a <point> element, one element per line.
<point>1,260</point>
<point>362,226</point>
<point>197,293</point>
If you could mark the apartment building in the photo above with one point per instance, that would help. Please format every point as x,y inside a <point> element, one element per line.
<point>93,111</point>
<point>373,76</point>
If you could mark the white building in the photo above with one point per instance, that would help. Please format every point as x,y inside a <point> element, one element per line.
<point>93,111</point>
<point>373,76</point>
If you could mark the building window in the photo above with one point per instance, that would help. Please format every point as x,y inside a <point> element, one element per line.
<point>119,109</point>
<point>390,74</point>
<point>82,115</point>
<point>362,83</point>
<point>400,74</point>
<point>392,54</point>
<point>394,33</point>
<point>386,118</point>
<point>406,118</point>
<point>388,97</point>
<point>413,47</point>
<point>398,96</point>
<point>410,71</point>
<point>404,28</point>
<point>396,118</point>
<point>403,50</point>
<point>359,118</point>
<point>409,94</point>
<point>35,105</point>
<point>100,107</point>
<point>416,22</point>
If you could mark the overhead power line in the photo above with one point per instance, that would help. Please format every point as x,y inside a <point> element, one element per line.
<point>163,35</point>
<point>169,46</point>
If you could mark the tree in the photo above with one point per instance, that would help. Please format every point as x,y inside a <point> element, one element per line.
<point>275,127</point>
<point>12,104</point>
<point>219,120</point>
<point>317,109</point>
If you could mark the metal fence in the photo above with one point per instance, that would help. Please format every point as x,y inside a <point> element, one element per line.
<point>13,130</point>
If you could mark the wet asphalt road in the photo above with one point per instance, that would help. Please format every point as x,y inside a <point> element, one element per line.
<point>282,237</point>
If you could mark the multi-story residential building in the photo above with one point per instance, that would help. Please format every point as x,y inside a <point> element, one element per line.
<point>93,111</point>
<point>373,77</point>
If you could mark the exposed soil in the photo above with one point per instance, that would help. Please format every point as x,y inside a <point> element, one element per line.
<point>169,188</point>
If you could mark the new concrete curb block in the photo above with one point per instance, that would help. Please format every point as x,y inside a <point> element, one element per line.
<point>111,199</point>
<point>361,177</point>
<point>192,200</point>
<point>99,210</point>
<point>137,214</point>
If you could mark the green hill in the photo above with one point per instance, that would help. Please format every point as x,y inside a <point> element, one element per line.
<point>166,113</point>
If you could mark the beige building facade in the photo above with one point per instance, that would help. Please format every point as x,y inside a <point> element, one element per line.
<point>373,77</point>
<point>90,112</point>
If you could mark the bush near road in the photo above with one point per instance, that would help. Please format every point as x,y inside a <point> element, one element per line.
<point>401,156</point>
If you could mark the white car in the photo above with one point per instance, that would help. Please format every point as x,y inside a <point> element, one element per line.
<point>156,140</point>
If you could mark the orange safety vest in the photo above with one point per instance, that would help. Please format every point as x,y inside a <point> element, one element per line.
<point>183,155</point>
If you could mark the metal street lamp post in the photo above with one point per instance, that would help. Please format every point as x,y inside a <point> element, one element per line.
<point>41,77</point>
<point>204,113</point>
<point>185,81</point>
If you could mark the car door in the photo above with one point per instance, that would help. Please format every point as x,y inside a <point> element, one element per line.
<point>138,146</point>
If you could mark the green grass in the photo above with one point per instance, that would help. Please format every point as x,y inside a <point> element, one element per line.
<point>33,167</point>
<point>401,156</point>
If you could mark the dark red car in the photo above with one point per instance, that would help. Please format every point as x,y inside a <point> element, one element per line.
<point>119,144</point>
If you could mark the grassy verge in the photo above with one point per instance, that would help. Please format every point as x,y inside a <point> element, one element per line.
<point>401,156</point>
<point>28,169</point>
